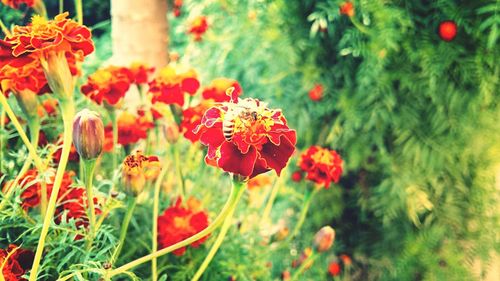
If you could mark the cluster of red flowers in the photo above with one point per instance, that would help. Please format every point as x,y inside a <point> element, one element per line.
<point>108,84</point>
<point>179,222</point>
<point>335,268</point>
<point>321,165</point>
<point>131,129</point>
<point>198,27</point>
<point>16,4</point>
<point>246,138</point>
<point>216,91</point>
<point>14,262</point>
<point>169,86</point>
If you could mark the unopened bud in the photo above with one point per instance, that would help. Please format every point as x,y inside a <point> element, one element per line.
<point>323,240</point>
<point>88,134</point>
<point>28,101</point>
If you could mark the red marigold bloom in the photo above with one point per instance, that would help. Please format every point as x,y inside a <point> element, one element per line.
<point>73,203</point>
<point>16,4</point>
<point>50,106</point>
<point>316,93</point>
<point>198,27</point>
<point>347,8</point>
<point>179,222</point>
<point>108,84</point>
<point>217,89</point>
<point>169,87</point>
<point>141,73</point>
<point>31,194</point>
<point>131,129</point>
<point>14,262</point>
<point>73,153</point>
<point>321,165</point>
<point>334,269</point>
<point>27,77</point>
<point>246,137</point>
<point>192,118</point>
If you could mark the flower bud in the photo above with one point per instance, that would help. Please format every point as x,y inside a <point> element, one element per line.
<point>28,101</point>
<point>88,134</point>
<point>323,240</point>
<point>56,69</point>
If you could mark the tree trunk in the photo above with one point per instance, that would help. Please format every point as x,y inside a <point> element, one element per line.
<point>139,31</point>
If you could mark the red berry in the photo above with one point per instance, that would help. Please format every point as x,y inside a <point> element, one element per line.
<point>297,176</point>
<point>447,30</point>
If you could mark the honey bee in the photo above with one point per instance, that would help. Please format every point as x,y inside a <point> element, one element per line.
<point>244,113</point>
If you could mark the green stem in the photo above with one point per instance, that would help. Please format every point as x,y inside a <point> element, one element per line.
<point>179,169</point>
<point>79,11</point>
<point>61,6</point>
<point>270,201</point>
<point>222,233</point>
<point>4,28</point>
<point>305,264</point>
<point>123,232</point>
<point>358,25</point>
<point>308,196</point>
<point>235,190</point>
<point>40,8</point>
<point>89,167</point>
<point>2,131</point>
<point>114,123</point>
<point>156,200</point>
<point>68,111</point>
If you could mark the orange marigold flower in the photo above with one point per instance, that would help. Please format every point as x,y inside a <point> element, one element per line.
<point>179,222</point>
<point>131,129</point>
<point>50,106</point>
<point>316,93</point>
<point>108,84</point>
<point>16,4</point>
<point>321,165</point>
<point>26,77</point>
<point>14,262</point>
<point>347,8</point>
<point>246,137</point>
<point>191,118</point>
<point>198,27</point>
<point>141,73</point>
<point>138,168</point>
<point>334,269</point>
<point>259,181</point>
<point>217,89</point>
<point>169,86</point>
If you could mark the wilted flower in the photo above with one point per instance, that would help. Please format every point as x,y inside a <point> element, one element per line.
<point>191,118</point>
<point>246,137</point>
<point>198,27</point>
<point>14,262</point>
<point>316,93</point>
<point>141,73</point>
<point>334,269</point>
<point>88,134</point>
<point>137,169</point>
<point>216,91</point>
<point>108,84</point>
<point>321,165</point>
<point>169,86</point>
<point>179,222</point>
<point>324,238</point>
<point>347,8</point>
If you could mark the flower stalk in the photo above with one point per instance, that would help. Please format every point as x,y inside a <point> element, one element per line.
<point>123,232</point>
<point>114,124</point>
<point>240,186</point>
<point>305,264</point>
<point>156,200</point>
<point>308,196</point>
<point>89,168</point>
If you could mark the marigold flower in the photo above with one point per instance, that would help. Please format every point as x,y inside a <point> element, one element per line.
<point>169,86</point>
<point>141,73</point>
<point>16,4</point>
<point>179,222</point>
<point>346,260</point>
<point>191,118</point>
<point>32,193</point>
<point>28,77</point>
<point>216,91</point>
<point>73,204</point>
<point>73,153</point>
<point>316,93</point>
<point>259,181</point>
<point>108,84</point>
<point>88,134</point>
<point>131,129</point>
<point>50,106</point>
<point>198,27</point>
<point>297,176</point>
<point>137,169</point>
<point>324,238</point>
<point>334,269</point>
<point>14,262</point>
<point>347,8</point>
<point>246,137</point>
<point>321,165</point>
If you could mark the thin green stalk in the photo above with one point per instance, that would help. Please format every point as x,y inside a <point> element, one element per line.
<point>305,264</point>
<point>123,232</point>
<point>156,200</point>
<point>222,233</point>
<point>178,168</point>
<point>79,11</point>
<point>235,190</point>
<point>272,196</point>
<point>89,167</point>
<point>68,111</point>
<point>61,6</point>
<point>2,131</point>
<point>114,123</point>
<point>358,25</point>
<point>303,213</point>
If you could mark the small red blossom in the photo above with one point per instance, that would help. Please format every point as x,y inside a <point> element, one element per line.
<point>131,129</point>
<point>32,186</point>
<point>198,27</point>
<point>316,93</point>
<point>447,30</point>
<point>297,176</point>
<point>169,86</point>
<point>73,203</point>
<point>14,262</point>
<point>216,91</point>
<point>191,118</point>
<point>141,73</point>
<point>347,8</point>
<point>108,84</point>
<point>16,4</point>
<point>334,269</point>
<point>177,8</point>
<point>246,138</point>
<point>346,259</point>
<point>73,153</point>
<point>179,222</point>
<point>321,165</point>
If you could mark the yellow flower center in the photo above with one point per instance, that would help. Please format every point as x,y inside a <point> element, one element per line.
<point>323,156</point>
<point>182,222</point>
<point>102,77</point>
<point>39,23</point>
